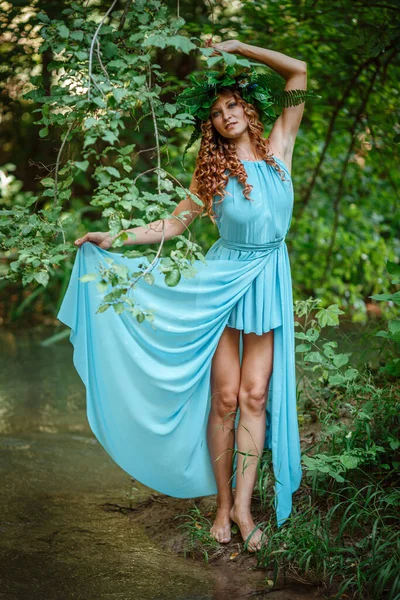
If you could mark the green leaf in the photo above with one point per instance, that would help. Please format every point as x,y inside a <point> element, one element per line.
<point>63,31</point>
<point>329,316</point>
<point>179,42</point>
<point>43,132</point>
<point>394,326</point>
<point>82,165</point>
<point>337,477</point>
<point>110,49</point>
<point>42,277</point>
<point>349,462</point>
<point>173,278</point>
<point>139,80</point>
<point>339,360</point>
<point>393,297</point>
<point>108,135</point>
<point>47,181</point>
<point>149,278</point>
<point>102,308</point>
<point>90,122</point>
<point>76,35</point>
<point>82,55</point>
<point>88,277</point>
<point>127,149</point>
<point>119,93</point>
<point>112,171</point>
<point>118,307</point>
<point>309,461</point>
<point>315,357</point>
<point>393,268</point>
<point>312,334</point>
<point>41,16</point>
<point>300,335</point>
<point>336,379</point>
<point>230,59</point>
<point>201,257</point>
<point>214,60</point>
<point>351,374</point>
<point>303,347</point>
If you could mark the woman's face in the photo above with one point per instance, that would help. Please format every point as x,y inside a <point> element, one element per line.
<point>228,116</point>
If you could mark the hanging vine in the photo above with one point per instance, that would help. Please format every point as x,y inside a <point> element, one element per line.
<point>104,75</point>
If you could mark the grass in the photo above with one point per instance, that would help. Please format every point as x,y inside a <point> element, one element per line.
<point>344,531</point>
<point>197,530</point>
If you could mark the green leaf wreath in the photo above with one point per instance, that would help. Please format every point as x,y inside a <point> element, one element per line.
<point>263,90</point>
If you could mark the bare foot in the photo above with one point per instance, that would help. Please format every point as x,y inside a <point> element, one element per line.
<point>246,525</point>
<point>221,529</point>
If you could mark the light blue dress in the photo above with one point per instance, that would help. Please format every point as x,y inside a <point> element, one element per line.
<point>148,389</point>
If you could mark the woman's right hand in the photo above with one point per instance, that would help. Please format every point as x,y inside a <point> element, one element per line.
<point>103,240</point>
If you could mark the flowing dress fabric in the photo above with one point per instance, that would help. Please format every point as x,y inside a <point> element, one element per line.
<point>148,386</point>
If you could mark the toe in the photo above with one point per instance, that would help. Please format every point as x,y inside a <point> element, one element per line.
<point>220,536</point>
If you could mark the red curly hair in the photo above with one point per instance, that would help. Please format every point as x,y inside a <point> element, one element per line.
<point>217,154</point>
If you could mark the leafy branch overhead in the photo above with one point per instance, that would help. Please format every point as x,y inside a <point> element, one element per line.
<point>104,80</point>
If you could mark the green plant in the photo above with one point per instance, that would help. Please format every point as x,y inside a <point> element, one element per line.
<point>393,333</point>
<point>344,531</point>
<point>320,356</point>
<point>103,75</point>
<point>321,367</point>
<point>197,531</point>
<point>351,548</point>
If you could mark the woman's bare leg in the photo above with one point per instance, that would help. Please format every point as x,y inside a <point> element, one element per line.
<point>225,380</point>
<point>257,363</point>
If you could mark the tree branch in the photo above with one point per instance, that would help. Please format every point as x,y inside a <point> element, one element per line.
<point>93,43</point>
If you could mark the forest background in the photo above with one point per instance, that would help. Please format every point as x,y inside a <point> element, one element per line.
<point>346,218</point>
<point>91,140</point>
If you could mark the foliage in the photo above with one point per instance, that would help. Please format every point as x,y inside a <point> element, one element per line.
<point>89,103</point>
<point>393,333</point>
<point>343,532</point>
<point>352,547</point>
<point>263,90</point>
<point>197,532</point>
<point>315,356</point>
<point>117,282</point>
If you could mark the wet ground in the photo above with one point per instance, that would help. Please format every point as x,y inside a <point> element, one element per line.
<point>73,525</point>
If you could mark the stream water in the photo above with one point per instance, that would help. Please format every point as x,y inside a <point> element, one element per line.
<point>57,538</point>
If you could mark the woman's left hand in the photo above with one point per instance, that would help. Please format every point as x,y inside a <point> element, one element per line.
<point>231,46</point>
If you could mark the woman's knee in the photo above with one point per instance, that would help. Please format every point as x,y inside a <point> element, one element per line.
<point>225,402</point>
<point>252,397</point>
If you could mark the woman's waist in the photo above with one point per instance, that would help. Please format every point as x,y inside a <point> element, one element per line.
<point>250,246</point>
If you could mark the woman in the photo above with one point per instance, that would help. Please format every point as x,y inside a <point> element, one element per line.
<point>252,250</point>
